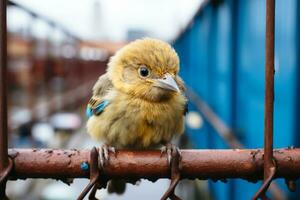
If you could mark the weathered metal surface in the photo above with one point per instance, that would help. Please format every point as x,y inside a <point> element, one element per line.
<point>3,96</point>
<point>269,163</point>
<point>95,181</point>
<point>269,86</point>
<point>203,164</point>
<point>3,85</point>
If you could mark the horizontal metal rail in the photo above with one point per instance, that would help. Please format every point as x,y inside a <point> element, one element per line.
<point>203,164</point>
<point>3,98</point>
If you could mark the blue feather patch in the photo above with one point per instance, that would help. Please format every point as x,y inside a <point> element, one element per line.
<point>96,110</point>
<point>99,108</point>
<point>88,112</point>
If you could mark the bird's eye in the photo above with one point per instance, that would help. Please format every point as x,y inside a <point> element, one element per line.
<point>144,71</point>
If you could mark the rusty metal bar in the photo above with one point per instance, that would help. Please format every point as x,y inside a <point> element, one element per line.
<point>269,87</point>
<point>203,164</point>
<point>3,96</point>
<point>269,162</point>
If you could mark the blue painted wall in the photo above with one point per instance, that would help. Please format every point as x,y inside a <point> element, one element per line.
<point>223,57</point>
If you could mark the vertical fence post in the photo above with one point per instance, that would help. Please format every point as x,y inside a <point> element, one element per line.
<point>3,101</point>
<point>269,162</point>
<point>269,88</point>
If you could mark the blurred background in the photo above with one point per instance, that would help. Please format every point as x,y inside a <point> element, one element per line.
<point>57,49</point>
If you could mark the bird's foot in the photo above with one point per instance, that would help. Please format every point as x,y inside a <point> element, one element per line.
<point>172,151</point>
<point>174,161</point>
<point>104,154</point>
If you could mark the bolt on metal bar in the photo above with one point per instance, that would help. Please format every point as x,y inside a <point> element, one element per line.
<point>3,96</point>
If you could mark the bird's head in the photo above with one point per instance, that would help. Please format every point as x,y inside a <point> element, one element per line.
<point>146,69</point>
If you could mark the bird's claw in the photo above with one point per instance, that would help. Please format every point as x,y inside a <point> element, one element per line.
<point>171,150</point>
<point>104,154</point>
<point>174,161</point>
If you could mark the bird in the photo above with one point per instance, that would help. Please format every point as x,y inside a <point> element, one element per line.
<point>140,102</point>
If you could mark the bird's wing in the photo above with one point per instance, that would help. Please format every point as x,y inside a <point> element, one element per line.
<point>102,86</point>
<point>97,103</point>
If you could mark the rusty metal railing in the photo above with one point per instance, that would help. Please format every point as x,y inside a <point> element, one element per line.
<point>225,132</point>
<point>202,164</point>
<point>269,161</point>
<point>3,101</point>
<point>249,164</point>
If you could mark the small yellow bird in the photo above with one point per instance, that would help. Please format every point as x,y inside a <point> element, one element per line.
<point>139,103</point>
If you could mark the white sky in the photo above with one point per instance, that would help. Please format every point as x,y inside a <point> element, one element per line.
<point>107,19</point>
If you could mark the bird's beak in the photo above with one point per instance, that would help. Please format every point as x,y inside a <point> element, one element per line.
<point>167,82</point>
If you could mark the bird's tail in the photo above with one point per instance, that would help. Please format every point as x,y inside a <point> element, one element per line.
<point>116,186</point>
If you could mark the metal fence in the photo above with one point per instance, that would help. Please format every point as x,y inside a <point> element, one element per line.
<point>222,54</point>
<point>248,164</point>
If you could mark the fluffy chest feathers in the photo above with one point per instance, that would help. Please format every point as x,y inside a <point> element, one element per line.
<point>135,123</point>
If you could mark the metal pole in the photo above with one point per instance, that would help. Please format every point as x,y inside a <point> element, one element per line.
<point>3,85</point>
<point>203,164</point>
<point>269,162</point>
<point>269,88</point>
